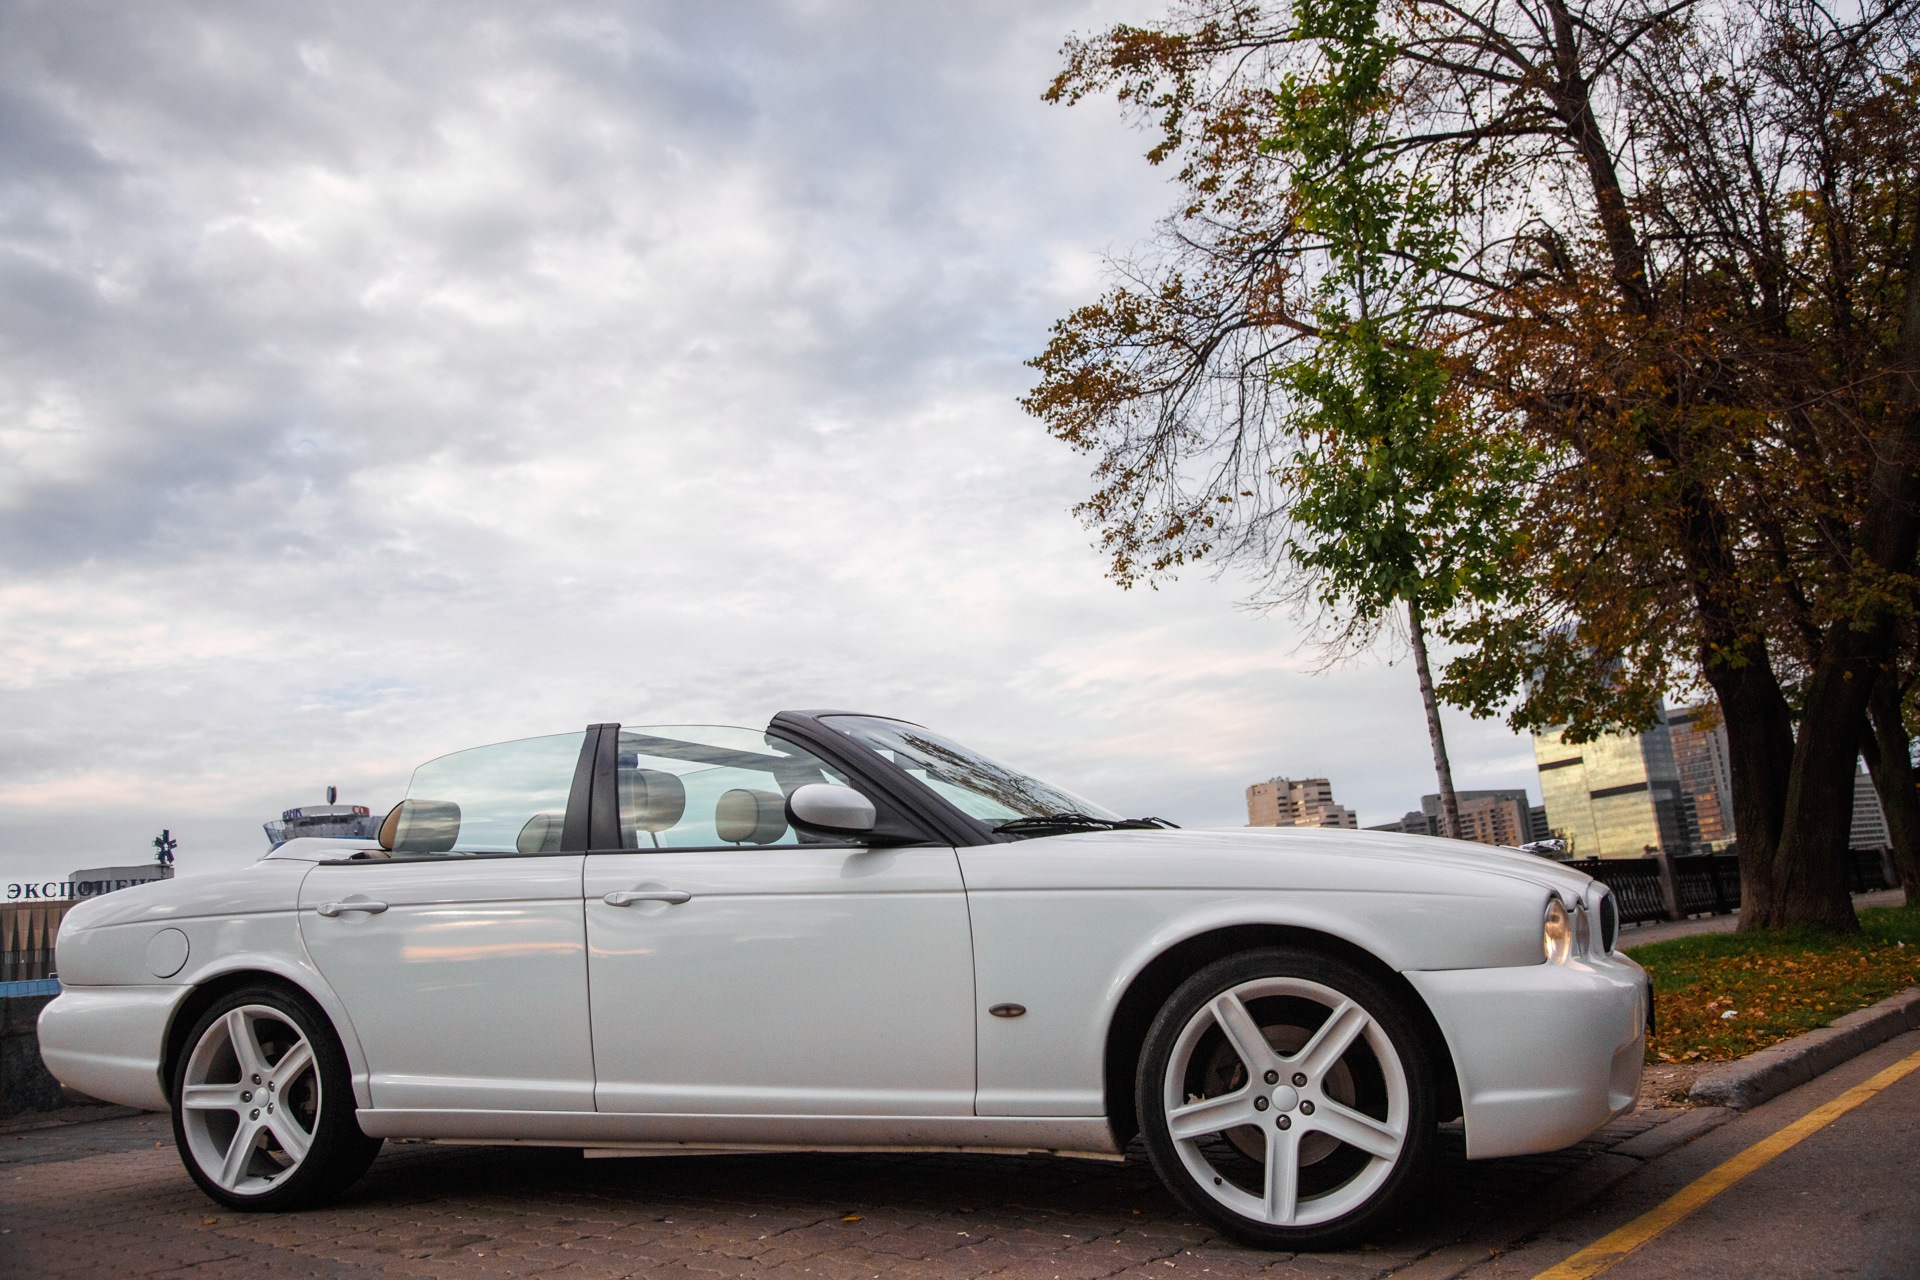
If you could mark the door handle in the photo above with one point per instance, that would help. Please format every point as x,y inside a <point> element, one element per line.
<point>627,897</point>
<point>367,905</point>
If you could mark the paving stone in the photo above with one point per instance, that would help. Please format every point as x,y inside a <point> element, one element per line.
<point>112,1198</point>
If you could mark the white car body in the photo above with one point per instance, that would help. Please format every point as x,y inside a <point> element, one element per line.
<point>835,997</point>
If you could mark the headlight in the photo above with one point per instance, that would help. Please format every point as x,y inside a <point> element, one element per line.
<point>1582,930</point>
<point>1556,933</point>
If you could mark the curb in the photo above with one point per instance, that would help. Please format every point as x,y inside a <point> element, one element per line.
<point>1771,1072</point>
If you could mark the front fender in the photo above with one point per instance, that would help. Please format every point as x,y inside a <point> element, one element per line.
<point>1070,958</point>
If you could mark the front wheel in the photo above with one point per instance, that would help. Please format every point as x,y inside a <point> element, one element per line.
<point>1288,1097</point>
<point>263,1110</point>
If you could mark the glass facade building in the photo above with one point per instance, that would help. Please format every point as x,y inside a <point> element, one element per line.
<point>1618,796</point>
<point>1700,757</point>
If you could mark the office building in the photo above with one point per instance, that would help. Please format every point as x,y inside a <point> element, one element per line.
<point>1869,829</point>
<point>1701,766</point>
<point>1700,760</point>
<point>1493,818</point>
<point>1296,802</point>
<point>1488,817</point>
<point>1413,823</point>
<point>1618,796</point>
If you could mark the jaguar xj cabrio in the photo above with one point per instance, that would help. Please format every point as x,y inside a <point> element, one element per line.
<point>846,932</point>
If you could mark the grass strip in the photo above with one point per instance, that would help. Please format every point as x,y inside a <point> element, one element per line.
<point>1726,995</point>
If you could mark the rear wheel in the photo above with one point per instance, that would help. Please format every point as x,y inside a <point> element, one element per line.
<point>263,1110</point>
<point>1288,1097</point>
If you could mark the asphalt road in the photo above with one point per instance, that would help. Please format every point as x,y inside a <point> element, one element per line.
<point>109,1198</point>
<point>1843,1202</point>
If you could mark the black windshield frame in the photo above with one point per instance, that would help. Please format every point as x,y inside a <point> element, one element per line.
<point>813,730</point>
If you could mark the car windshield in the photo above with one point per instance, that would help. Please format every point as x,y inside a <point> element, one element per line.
<point>977,786</point>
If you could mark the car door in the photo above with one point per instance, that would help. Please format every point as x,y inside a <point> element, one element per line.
<point>460,956</point>
<point>738,967</point>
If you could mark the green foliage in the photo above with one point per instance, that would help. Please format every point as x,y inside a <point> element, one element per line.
<point>1397,494</point>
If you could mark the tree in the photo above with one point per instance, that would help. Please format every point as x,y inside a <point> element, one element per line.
<point>1380,494</point>
<point>1687,275</point>
<point>1393,497</point>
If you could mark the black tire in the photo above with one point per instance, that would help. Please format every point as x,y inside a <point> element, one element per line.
<point>1242,1130</point>
<point>251,1151</point>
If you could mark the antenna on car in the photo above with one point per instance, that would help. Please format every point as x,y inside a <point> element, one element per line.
<point>333,793</point>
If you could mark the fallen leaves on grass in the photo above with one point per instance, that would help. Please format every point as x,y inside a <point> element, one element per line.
<point>1726,995</point>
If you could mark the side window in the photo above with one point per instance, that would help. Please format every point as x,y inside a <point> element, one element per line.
<point>510,797</point>
<point>707,786</point>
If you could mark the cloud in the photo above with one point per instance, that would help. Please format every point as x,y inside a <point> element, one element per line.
<point>381,379</point>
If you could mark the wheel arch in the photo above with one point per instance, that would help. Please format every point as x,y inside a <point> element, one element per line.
<point>1150,987</point>
<point>210,988</point>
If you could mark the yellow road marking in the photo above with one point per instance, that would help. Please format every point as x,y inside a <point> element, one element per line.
<point>1615,1245</point>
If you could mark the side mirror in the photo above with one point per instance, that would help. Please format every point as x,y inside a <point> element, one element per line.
<point>831,810</point>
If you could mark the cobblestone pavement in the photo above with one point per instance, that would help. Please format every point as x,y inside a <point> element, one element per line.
<point>110,1197</point>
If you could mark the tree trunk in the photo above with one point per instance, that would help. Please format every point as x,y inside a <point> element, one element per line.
<point>1449,803</point>
<point>1810,867</point>
<point>1889,753</point>
<point>1760,758</point>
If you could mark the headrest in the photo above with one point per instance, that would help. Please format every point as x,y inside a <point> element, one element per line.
<point>541,834</point>
<point>421,826</point>
<point>750,817</point>
<point>651,799</point>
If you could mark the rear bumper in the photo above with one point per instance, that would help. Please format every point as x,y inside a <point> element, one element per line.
<point>1546,1053</point>
<point>107,1042</point>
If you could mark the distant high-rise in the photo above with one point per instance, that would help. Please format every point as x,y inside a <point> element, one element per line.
<point>1488,817</point>
<point>1495,818</point>
<point>1296,802</point>
<point>1413,823</point>
<point>1618,796</point>
<point>1869,830</point>
<point>1700,759</point>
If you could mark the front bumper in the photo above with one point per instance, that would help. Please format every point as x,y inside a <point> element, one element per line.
<point>107,1042</point>
<point>1545,1053</point>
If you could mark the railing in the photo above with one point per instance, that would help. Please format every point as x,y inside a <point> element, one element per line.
<point>26,939</point>
<point>1637,885</point>
<point>1673,888</point>
<point>1708,884</point>
<point>1870,869</point>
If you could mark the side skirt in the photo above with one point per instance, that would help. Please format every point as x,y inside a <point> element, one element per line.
<point>638,1134</point>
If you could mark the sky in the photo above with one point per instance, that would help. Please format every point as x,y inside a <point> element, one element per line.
<point>378,380</point>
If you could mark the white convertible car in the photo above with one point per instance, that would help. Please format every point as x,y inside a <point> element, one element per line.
<point>845,932</point>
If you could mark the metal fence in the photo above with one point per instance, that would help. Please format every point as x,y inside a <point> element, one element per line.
<point>1708,884</point>
<point>1638,885</point>
<point>26,939</point>
<point>1672,888</point>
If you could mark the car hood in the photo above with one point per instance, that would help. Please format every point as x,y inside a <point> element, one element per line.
<point>1383,847</point>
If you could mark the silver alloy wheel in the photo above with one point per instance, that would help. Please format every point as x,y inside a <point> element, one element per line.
<point>1287,1098</point>
<point>250,1099</point>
